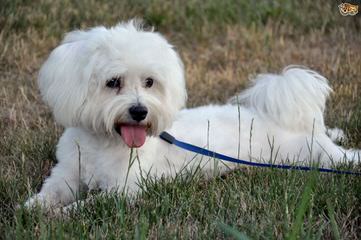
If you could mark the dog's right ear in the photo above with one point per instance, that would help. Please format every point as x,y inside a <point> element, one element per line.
<point>65,76</point>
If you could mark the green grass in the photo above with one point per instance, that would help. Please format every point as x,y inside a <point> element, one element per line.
<point>221,43</point>
<point>254,203</point>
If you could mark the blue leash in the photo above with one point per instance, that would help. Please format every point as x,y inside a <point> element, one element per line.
<point>172,140</point>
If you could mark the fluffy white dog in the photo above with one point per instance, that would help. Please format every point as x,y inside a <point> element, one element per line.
<point>115,90</point>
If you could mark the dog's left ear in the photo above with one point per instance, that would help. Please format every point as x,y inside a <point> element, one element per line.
<point>65,76</point>
<point>179,86</point>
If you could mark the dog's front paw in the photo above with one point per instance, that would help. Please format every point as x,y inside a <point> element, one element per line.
<point>39,200</point>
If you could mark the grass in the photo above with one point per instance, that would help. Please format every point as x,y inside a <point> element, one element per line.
<point>222,43</point>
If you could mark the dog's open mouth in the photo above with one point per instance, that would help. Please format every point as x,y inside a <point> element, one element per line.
<point>133,135</point>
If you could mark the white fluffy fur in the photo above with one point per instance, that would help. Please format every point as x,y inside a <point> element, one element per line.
<point>279,113</point>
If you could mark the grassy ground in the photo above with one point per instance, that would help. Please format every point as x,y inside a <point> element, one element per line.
<point>222,43</point>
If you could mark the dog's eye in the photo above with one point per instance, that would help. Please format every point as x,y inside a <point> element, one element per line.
<point>149,82</point>
<point>114,82</point>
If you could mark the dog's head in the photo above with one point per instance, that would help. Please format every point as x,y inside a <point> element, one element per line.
<point>118,81</point>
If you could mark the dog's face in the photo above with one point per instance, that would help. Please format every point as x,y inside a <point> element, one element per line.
<point>119,81</point>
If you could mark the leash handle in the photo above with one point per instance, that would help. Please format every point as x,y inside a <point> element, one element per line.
<point>192,148</point>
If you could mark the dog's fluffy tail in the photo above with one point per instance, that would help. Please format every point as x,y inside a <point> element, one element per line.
<point>295,99</point>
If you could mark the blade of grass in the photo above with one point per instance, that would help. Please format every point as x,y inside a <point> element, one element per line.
<point>303,207</point>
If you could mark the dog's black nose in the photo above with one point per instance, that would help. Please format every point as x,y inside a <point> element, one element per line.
<point>138,112</point>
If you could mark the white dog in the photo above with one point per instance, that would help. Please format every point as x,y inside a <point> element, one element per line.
<point>115,90</point>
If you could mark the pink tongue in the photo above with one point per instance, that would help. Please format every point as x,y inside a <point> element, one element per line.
<point>133,135</point>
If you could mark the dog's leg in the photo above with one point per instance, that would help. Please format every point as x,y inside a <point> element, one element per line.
<point>332,153</point>
<point>63,185</point>
<point>336,134</point>
<point>59,189</point>
<point>353,155</point>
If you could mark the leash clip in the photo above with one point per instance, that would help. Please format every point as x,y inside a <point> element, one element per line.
<point>167,137</point>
